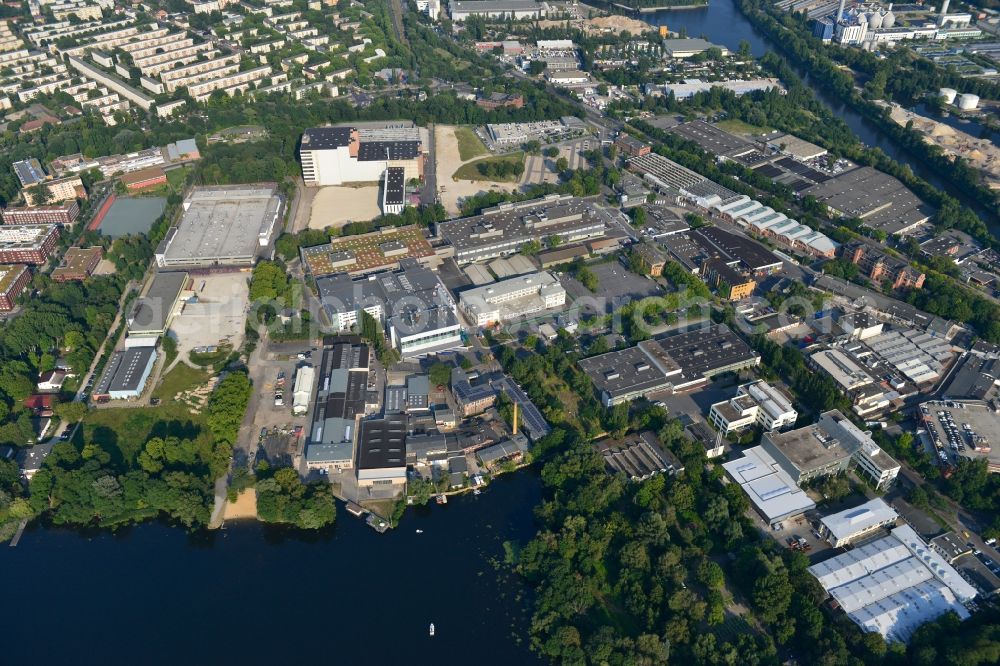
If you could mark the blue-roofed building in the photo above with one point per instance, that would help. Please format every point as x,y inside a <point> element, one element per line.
<point>29,172</point>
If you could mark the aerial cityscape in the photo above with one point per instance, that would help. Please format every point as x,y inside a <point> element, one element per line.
<point>654,331</point>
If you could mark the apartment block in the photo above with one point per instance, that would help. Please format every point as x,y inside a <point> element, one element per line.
<point>27,244</point>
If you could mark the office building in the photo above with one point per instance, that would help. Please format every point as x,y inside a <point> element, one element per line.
<point>772,492</point>
<point>951,546</point>
<point>828,447</point>
<point>894,584</point>
<point>845,527</point>
<point>382,250</point>
<point>153,311</point>
<point>27,243</point>
<point>64,213</point>
<point>223,226</point>
<point>341,402</point>
<point>125,374</point>
<point>514,298</point>
<point>13,280</point>
<point>668,364</point>
<point>430,7</point>
<point>413,305</point>
<point>729,282</point>
<point>501,9</point>
<point>78,263</point>
<point>382,453</point>
<point>755,403</point>
<point>630,146</point>
<point>504,229</point>
<point>344,154</point>
<point>393,191</point>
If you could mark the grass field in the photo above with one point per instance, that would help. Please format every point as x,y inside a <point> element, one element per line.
<point>740,127</point>
<point>176,177</point>
<point>123,432</point>
<point>182,378</point>
<point>471,171</point>
<point>469,145</point>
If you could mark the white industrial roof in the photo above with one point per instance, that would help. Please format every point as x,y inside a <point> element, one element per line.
<point>852,521</point>
<point>769,487</point>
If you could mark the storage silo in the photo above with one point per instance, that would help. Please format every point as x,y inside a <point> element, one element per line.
<point>948,94</point>
<point>968,101</point>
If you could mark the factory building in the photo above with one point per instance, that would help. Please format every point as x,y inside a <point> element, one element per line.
<point>338,155</point>
<point>512,299</point>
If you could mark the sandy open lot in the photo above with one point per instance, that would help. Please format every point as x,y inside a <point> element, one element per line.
<point>245,506</point>
<point>452,191</point>
<point>218,316</point>
<point>336,206</point>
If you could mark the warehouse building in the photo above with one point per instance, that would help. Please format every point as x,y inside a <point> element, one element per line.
<point>894,584</point>
<point>673,363</point>
<point>755,403</point>
<point>773,493</point>
<point>345,154</point>
<point>382,453</point>
<point>877,199</point>
<point>394,191</point>
<point>153,311</point>
<point>28,243</point>
<point>223,226</point>
<point>13,280</point>
<point>126,374</point>
<point>504,229</point>
<point>500,9</point>
<point>512,299</point>
<point>341,402</point>
<point>413,305</point>
<point>850,525</point>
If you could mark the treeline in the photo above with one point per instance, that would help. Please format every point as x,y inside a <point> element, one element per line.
<point>815,390</point>
<point>282,497</point>
<point>501,170</point>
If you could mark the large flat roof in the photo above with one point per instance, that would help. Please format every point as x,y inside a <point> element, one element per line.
<point>125,371</point>
<point>770,489</point>
<point>340,398</point>
<point>366,253</point>
<point>152,311</point>
<point>751,254</point>
<point>9,273</point>
<point>860,518</point>
<point>382,443</point>
<point>326,138</point>
<point>224,225</point>
<point>24,236</point>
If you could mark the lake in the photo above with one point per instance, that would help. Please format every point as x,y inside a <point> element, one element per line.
<point>252,594</point>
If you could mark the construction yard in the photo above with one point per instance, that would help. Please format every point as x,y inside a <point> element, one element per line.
<point>216,316</point>
<point>336,206</point>
<point>980,154</point>
<point>448,161</point>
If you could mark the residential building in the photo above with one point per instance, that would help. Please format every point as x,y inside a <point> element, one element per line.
<point>755,403</point>
<point>60,190</point>
<point>893,585</point>
<point>29,171</point>
<point>772,492</point>
<point>78,263</point>
<point>51,381</point>
<point>64,213</point>
<point>845,527</point>
<point>514,298</point>
<point>668,364</point>
<point>13,281</point>
<point>344,154</point>
<point>504,229</point>
<point>413,305</point>
<point>341,402</point>
<point>381,461</point>
<point>27,243</point>
<point>500,100</point>
<point>828,447</point>
<point>880,267</point>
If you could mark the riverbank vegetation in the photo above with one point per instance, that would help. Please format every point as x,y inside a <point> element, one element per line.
<point>282,497</point>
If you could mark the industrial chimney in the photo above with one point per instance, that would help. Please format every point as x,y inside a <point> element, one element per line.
<point>944,11</point>
<point>840,11</point>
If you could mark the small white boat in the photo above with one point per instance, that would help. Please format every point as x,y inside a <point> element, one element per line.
<point>432,629</point>
<point>420,531</point>
<point>477,491</point>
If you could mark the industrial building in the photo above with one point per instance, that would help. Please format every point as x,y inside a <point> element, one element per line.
<point>28,243</point>
<point>13,280</point>
<point>346,154</point>
<point>880,201</point>
<point>153,311</point>
<point>382,452</point>
<point>125,374</point>
<point>639,456</point>
<point>673,363</point>
<point>78,263</point>
<point>394,191</point>
<point>504,229</point>
<point>502,9</point>
<point>470,398</point>
<point>850,525</point>
<point>736,251</point>
<point>772,492</point>
<point>684,48</point>
<point>514,298</point>
<point>385,249</point>
<point>829,447</point>
<point>755,403</point>
<point>341,402</point>
<point>228,225</point>
<point>413,304</point>
<point>302,392</point>
<point>894,584</point>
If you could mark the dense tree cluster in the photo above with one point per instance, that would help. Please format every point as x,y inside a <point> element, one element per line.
<point>282,497</point>
<point>814,390</point>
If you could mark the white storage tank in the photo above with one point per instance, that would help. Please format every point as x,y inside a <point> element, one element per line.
<point>968,101</point>
<point>948,94</point>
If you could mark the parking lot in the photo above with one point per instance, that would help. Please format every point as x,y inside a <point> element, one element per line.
<point>958,429</point>
<point>616,285</point>
<point>278,434</point>
<point>216,314</point>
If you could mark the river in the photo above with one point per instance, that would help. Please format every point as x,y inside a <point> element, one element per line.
<point>252,594</point>
<point>723,23</point>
